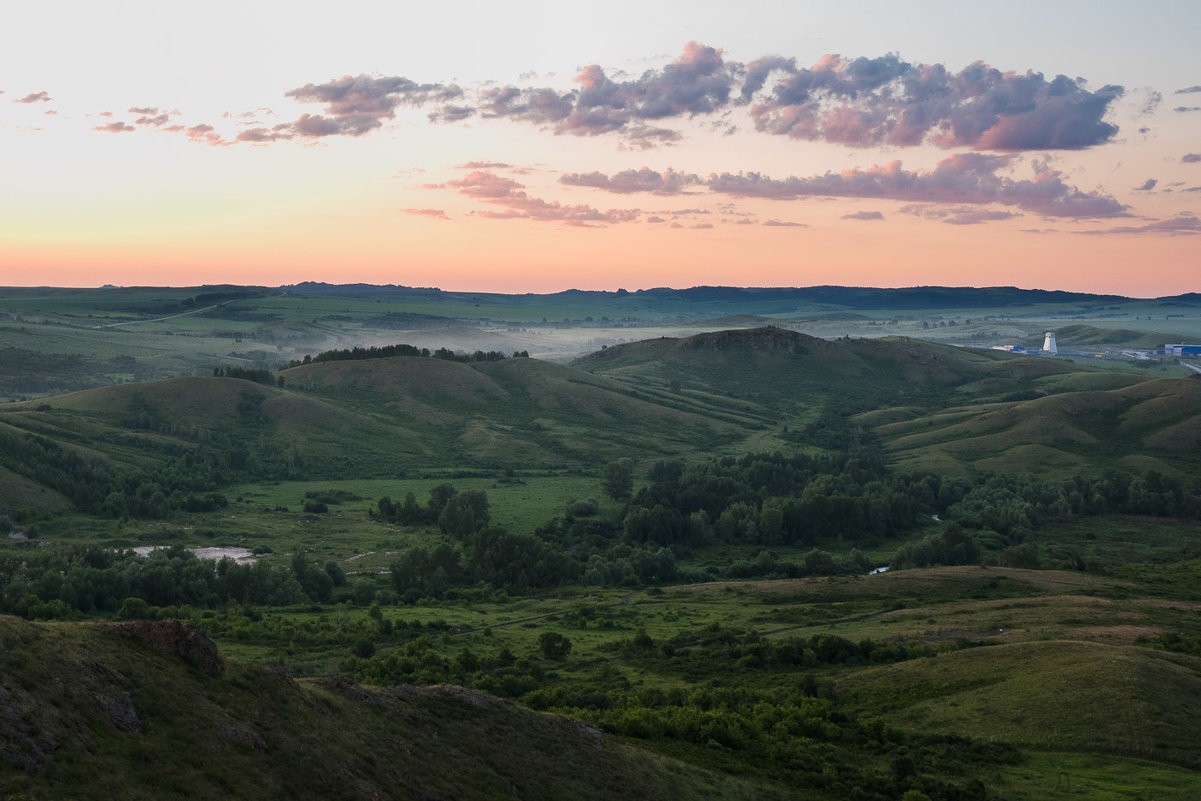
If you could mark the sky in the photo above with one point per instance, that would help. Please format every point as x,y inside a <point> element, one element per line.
<point>542,146</point>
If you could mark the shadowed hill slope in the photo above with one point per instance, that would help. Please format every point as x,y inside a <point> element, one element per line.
<point>148,711</point>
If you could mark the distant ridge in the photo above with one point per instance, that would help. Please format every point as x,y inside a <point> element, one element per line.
<point>792,298</point>
<point>921,297</point>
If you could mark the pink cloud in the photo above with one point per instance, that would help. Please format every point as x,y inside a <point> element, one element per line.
<point>962,178</point>
<point>516,203</point>
<point>435,213</point>
<point>668,182</point>
<point>115,127</point>
<point>1183,225</point>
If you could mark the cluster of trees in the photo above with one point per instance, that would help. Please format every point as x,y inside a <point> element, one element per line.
<point>716,648</point>
<point>456,513</point>
<point>1015,506</point>
<point>947,545</point>
<point>772,499</point>
<point>491,557</point>
<point>256,374</point>
<point>388,351</point>
<point>64,582</point>
<point>582,546</point>
<point>478,554</point>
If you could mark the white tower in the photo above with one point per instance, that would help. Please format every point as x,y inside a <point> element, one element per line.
<point>1049,344</point>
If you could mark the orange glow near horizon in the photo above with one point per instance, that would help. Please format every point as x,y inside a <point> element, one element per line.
<point>500,256</point>
<point>548,168</point>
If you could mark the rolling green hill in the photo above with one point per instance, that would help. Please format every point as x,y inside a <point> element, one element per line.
<point>1151,425</point>
<point>935,407</point>
<point>1049,696</point>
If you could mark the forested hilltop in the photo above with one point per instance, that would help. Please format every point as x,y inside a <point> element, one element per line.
<point>779,565</point>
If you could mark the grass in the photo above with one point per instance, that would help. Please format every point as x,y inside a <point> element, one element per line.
<point>1048,696</point>
<point>1054,776</point>
<point>1081,430</point>
<point>100,714</point>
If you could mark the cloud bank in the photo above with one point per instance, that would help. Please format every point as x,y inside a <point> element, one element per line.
<point>964,178</point>
<point>857,102</point>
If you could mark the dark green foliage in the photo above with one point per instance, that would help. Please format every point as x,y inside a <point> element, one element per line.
<point>1024,555</point>
<point>408,513</point>
<point>464,513</point>
<point>97,580</point>
<point>553,646</point>
<point>747,719</point>
<point>586,508</point>
<point>948,545</point>
<point>439,497</point>
<point>617,479</point>
<point>1014,507</point>
<point>358,353</point>
<point>255,374</point>
<point>1174,642</point>
<point>771,498</point>
<point>626,566</point>
<point>331,497</point>
<point>389,351</point>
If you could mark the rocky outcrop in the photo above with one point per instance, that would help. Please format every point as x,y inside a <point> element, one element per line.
<point>183,641</point>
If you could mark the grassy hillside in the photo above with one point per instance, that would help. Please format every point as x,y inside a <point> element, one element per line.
<point>360,419</point>
<point>1146,425</point>
<point>148,711</point>
<point>784,371</point>
<point>1048,696</point>
<point>517,412</point>
<point>936,407</point>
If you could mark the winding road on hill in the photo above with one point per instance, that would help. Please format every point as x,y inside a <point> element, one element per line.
<point>170,316</point>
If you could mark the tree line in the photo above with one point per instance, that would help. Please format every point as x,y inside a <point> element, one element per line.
<point>57,583</point>
<point>388,351</point>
